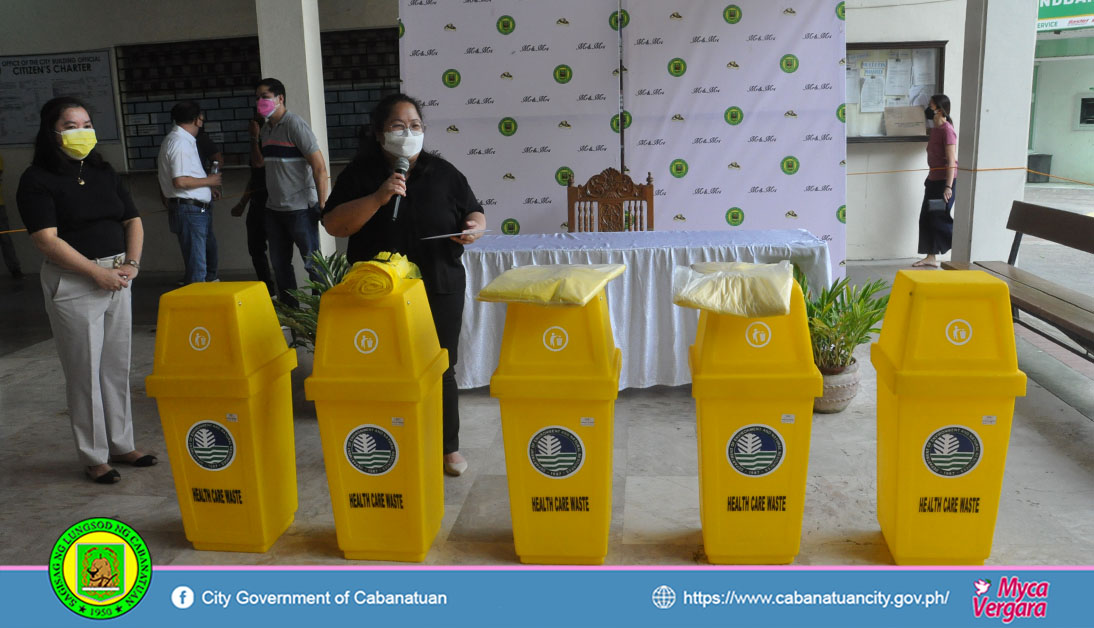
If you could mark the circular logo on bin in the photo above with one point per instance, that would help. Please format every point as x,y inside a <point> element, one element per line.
<point>555,339</point>
<point>952,451</point>
<point>758,334</point>
<point>211,445</point>
<point>200,339</point>
<point>366,341</point>
<point>371,449</point>
<point>100,568</point>
<point>755,450</point>
<point>451,78</point>
<point>959,332</point>
<point>556,452</point>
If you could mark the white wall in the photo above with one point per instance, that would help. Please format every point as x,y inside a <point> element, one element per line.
<point>49,26</point>
<point>883,209</point>
<point>1059,81</point>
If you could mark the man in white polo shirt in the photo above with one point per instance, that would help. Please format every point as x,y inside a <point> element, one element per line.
<point>188,192</point>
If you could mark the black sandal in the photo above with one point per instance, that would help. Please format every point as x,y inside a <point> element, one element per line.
<point>146,460</point>
<point>110,477</point>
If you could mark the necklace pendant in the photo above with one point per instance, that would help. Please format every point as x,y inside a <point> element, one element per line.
<point>79,180</point>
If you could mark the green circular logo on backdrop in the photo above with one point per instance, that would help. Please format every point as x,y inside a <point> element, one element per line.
<point>841,214</point>
<point>790,165</point>
<point>735,216</point>
<point>563,73</point>
<point>841,12</point>
<point>507,127</point>
<point>564,175</point>
<point>626,121</point>
<point>677,67</point>
<point>841,112</point>
<point>734,116</point>
<point>451,78</point>
<point>510,226</point>
<point>100,568</point>
<point>506,24</point>
<point>619,19</point>
<point>678,168</point>
<point>788,63</point>
<point>732,14</point>
<point>210,445</point>
<point>371,449</point>
<point>402,29</point>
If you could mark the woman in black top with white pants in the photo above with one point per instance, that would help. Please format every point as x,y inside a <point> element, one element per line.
<point>434,198</point>
<point>83,220</point>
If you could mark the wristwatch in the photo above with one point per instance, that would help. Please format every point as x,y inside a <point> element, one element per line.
<point>132,262</point>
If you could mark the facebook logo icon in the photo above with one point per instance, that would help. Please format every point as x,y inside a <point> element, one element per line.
<point>182,597</point>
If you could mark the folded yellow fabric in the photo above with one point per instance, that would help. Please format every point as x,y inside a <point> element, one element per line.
<point>381,275</point>
<point>738,288</point>
<point>551,284</point>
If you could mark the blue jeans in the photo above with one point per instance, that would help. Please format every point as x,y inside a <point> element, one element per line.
<point>199,245</point>
<point>283,229</point>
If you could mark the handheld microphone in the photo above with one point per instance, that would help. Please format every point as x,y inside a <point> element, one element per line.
<point>401,166</point>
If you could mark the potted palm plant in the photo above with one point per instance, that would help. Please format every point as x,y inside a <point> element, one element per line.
<point>841,318</point>
<point>303,319</point>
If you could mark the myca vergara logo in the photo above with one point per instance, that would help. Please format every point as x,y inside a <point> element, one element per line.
<point>210,445</point>
<point>371,449</point>
<point>625,121</point>
<point>732,14</point>
<point>677,67</point>
<point>735,216</point>
<point>734,116</point>
<point>556,452</point>
<point>506,24</point>
<point>678,168</point>
<point>619,19</point>
<point>790,165</point>
<point>510,226</point>
<point>507,127</point>
<point>100,568</point>
<point>952,451</point>
<point>841,112</point>
<point>564,175</point>
<point>841,12</point>
<point>755,450</point>
<point>788,63</point>
<point>451,78</point>
<point>1014,599</point>
<point>563,73</point>
<point>841,214</point>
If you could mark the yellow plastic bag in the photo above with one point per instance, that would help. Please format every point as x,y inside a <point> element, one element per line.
<point>380,275</point>
<point>551,284</point>
<point>738,288</point>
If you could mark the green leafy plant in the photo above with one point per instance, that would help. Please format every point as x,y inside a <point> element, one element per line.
<point>841,318</point>
<point>303,319</point>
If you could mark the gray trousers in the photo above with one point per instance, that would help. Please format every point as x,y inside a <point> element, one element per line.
<point>93,329</point>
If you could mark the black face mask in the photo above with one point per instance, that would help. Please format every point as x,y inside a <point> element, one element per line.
<point>927,111</point>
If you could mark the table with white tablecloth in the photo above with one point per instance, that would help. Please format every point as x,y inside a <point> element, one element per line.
<point>653,333</point>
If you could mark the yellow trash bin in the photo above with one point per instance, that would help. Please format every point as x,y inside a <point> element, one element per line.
<point>556,382</point>
<point>221,381</point>
<point>376,383</point>
<point>754,382</point>
<point>947,377</point>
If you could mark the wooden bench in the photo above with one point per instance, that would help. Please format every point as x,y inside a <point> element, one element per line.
<point>1068,310</point>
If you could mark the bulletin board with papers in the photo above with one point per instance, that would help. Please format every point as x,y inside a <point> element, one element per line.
<point>887,87</point>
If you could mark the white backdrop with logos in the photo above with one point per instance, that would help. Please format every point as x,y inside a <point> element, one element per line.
<point>735,108</point>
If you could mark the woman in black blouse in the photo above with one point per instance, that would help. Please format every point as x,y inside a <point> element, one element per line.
<point>434,198</point>
<point>83,220</point>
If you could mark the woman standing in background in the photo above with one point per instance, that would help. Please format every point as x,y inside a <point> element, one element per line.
<point>936,224</point>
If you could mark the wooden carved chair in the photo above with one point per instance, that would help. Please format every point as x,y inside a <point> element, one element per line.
<point>610,201</point>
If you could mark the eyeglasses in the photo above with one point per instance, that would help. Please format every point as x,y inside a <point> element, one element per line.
<point>399,127</point>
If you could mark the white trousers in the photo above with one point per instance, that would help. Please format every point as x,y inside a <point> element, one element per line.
<point>93,330</point>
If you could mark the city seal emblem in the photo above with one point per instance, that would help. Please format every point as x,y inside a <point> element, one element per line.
<point>755,450</point>
<point>556,452</point>
<point>210,445</point>
<point>100,568</point>
<point>371,449</point>
<point>952,451</point>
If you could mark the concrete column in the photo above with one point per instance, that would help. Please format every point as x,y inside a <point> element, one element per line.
<point>289,50</point>
<point>993,124</point>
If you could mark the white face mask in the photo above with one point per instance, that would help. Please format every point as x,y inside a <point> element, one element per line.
<point>404,143</point>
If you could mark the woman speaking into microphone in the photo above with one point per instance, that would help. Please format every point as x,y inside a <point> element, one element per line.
<point>390,197</point>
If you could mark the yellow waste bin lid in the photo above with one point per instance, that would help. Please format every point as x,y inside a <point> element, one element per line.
<point>948,333</point>
<point>218,339</point>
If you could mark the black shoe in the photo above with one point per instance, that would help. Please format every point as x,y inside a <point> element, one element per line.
<point>110,477</point>
<point>146,460</point>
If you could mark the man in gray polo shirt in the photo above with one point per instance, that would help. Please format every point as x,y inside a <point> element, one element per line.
<point>296,180</point>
